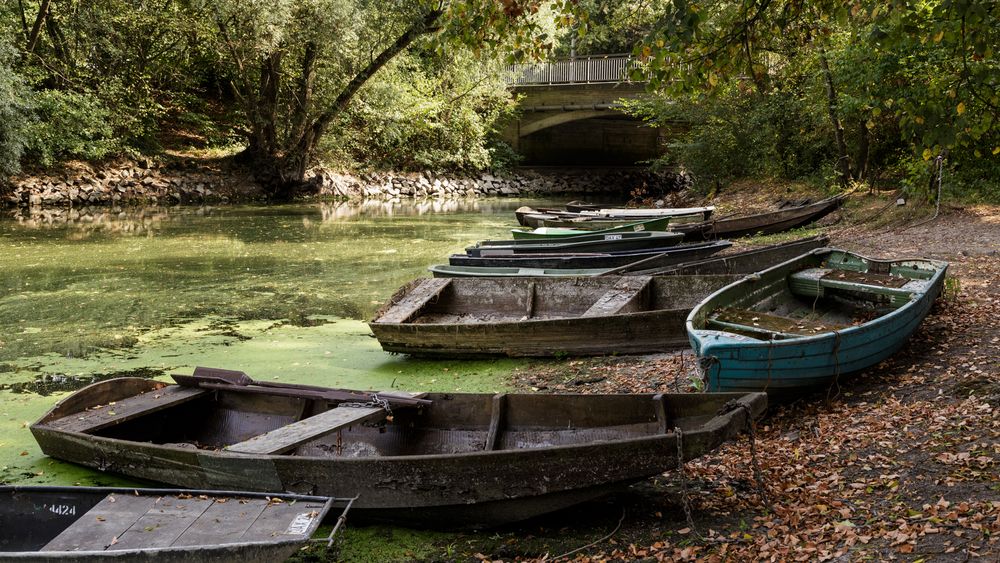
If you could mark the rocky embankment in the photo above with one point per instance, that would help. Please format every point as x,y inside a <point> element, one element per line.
<point>176,182</point>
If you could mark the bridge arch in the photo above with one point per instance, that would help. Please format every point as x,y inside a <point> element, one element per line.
<point>529,126</point>
<point>571,113</point>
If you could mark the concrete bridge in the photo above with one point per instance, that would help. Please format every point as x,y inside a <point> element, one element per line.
<point>571,113</point>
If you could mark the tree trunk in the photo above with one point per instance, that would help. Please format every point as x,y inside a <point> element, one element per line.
<point>864,148</point>
<point>843,159</point>
<point>300,154</point>
<point>24,20</point>
<point>43,13</point>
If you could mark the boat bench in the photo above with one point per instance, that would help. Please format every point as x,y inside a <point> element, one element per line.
<point>103,416</point>
<point>626,291</point>
<point>123,521</point>
<point>814,282</point>
<point>415,300</point>
<point>291,436</point>
<point>766,324</point>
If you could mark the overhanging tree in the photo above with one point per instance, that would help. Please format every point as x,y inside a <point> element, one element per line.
<point>296,66</point>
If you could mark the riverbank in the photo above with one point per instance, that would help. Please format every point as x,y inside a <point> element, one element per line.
<point>900,463</point>
<point>195,181</point>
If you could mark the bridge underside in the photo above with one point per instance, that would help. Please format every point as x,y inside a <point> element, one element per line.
<point>579,124</point>
<point>607,138</point>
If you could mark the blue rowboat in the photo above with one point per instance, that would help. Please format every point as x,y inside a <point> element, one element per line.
<point>802,324</point>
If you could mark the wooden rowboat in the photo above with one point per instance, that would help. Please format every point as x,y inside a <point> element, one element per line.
<point>774,221</point>
<point>802,324</point>
<point>459,317</point>
<point>745,262</point>
<point>663,257</point>
<point>454,460</point>
<point>529,217</point>
<point>550,233</point>
<point>108,524</point>
<point>582,243</point>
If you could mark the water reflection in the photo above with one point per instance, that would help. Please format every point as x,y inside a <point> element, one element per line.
<point>147,220</point>
<point>47,384</point>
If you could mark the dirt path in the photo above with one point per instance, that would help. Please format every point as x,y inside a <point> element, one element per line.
<point>903,463</point>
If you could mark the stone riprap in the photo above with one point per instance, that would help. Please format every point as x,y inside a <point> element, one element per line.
<point>173,183</point>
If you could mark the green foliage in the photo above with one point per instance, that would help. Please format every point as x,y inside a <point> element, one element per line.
<point>426,113</point>
<point>15,115</point>
<point>740,133</point>
<point>884,81</point>
<point>70,125</point>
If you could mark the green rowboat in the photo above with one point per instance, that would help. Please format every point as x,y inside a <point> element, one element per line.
<point>541,233</point>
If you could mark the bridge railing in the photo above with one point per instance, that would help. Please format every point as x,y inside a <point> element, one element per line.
<point>593,69</point>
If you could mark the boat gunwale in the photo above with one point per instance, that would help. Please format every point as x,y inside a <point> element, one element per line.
<point>749,399</point>
<point>940,270</point>
<point>556,279</point>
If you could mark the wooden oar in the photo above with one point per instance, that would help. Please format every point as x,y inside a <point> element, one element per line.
<point>230,380</point>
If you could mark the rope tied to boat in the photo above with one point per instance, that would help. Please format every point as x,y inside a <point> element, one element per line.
<point>705,364</point>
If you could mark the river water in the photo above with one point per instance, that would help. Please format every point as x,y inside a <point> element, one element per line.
<point>281,292</point>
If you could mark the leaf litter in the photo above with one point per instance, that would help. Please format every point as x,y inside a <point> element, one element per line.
<point>903,463</point>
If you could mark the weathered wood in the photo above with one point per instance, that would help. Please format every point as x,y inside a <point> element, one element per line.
<point>418,298</point>
<point>103,416</point>
<point>102,525</point>
<point>223,522</point>
<point>429,465</point>
<point>294,435</point>
<point>496,421</point>
<point>769,323</point>
<point>531,301</point>
<point>626,291</point>
<point>485,316</point>
<point>282,519</point>
<point>165,521</point>
<point>662,420</point>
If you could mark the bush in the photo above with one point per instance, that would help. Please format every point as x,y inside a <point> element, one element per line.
<point>740,134</point>
<point>424,113</point>
<point>70,125</point>
<point>15,115</point>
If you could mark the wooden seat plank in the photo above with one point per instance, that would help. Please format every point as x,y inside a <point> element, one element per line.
<point>290,436</point>
<point>103,524</point>
<point>111,414</point>
<point>223,522</point>
<point>857,281</point>
<point>163,523</point>
<point>625,292</point>
<point>415,300</point>
<point>283,518</point>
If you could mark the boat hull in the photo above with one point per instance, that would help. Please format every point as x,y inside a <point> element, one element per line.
<point>460,490</point>
<point>489,319</point>
<point>34,520</point>
<point>774,222</point>
<point>579,260</point>
<point>789,367</point>
<point>579,243</point>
